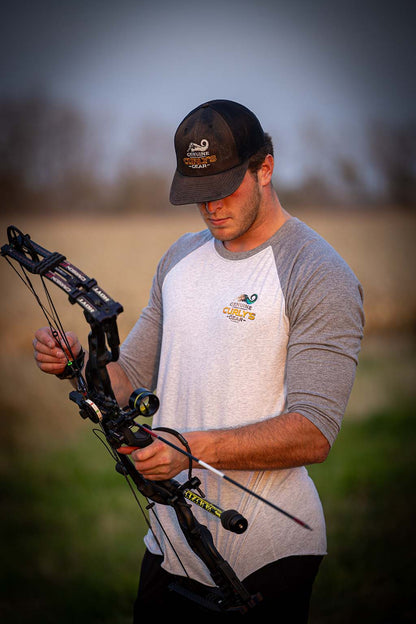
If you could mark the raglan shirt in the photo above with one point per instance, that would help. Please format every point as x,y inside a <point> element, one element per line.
<point>229,339</point>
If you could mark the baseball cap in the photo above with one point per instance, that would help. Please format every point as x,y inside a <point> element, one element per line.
<point>213,146</point>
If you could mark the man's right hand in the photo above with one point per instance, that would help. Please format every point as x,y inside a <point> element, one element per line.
<point>50,354</point>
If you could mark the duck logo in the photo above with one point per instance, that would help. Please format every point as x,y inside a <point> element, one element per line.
<point>240,310</point>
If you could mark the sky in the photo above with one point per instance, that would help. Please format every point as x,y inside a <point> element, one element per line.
<point>322,67</point>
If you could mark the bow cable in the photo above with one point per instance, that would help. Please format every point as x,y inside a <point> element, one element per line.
<point>51,315</point>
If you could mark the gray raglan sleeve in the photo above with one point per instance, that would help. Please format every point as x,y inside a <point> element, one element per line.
<point>140,352</point>
<point>324,303</point>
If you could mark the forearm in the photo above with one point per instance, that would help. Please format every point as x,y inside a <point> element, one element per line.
<point>120,383</point>
<point>284,441</point>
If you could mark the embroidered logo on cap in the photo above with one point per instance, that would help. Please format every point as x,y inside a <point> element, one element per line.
<point>198,156</point>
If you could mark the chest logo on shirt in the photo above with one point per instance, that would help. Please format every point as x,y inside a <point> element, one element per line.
<point>240,310</point>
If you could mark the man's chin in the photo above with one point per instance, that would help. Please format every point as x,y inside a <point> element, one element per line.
<point>220,235</point>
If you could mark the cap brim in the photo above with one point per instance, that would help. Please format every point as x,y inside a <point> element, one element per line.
<point>200,189</point>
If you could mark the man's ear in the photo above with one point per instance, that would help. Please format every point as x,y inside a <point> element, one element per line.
<point>264,174</point>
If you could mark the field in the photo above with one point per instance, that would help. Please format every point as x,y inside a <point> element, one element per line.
<point>72,538</point>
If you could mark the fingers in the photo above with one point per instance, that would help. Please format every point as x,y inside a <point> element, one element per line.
<point>51,355</point>
<point>44,341</point>
<point>44,336</point>
<point>156,462</point>
<point>126,450</point>
<point>152,461</point>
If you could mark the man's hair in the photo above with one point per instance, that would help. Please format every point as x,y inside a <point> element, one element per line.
<point>257,159</point>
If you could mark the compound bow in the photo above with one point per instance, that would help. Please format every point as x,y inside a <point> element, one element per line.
<point>96,401</point>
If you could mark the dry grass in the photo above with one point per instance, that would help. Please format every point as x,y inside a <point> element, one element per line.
<point>122,253</point>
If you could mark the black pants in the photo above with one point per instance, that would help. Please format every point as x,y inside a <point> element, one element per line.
<point>285,586</point>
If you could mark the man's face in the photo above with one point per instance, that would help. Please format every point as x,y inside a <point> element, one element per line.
<point>235,219</point>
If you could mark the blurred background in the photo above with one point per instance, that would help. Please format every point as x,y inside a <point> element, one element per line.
<point>91,94</point>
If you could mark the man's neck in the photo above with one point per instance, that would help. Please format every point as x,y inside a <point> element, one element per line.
<point>272,218</point>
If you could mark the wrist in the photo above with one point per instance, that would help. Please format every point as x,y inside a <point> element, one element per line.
<point>202,445</point>
<point>73,367</point>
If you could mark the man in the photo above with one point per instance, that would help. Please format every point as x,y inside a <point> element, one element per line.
<point>250,339</point>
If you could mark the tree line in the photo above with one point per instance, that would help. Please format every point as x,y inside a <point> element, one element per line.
<point>52,158</point>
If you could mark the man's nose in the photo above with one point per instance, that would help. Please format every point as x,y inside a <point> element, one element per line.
<point>212,206</point>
